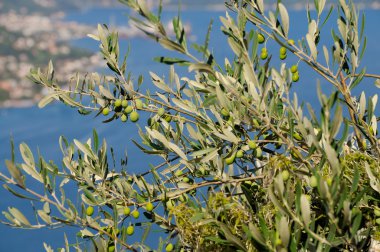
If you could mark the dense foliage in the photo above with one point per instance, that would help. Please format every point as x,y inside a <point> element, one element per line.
<point>245,166</point>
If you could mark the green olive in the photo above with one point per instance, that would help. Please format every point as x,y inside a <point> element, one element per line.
<point>106,111</point>
<point>168,118</point>
<point>258,152</point>
<point>231,159</point>
<point>313,182</point>
<point>224,112</point>
<point>295,77</point>
<point>329,181</point>
<point>377,212</point>
<point>202,170</point>
<point>124,103</point>
<point>139,104</point>
<point>285,175</point>
<point>127,210</point>
<point>130,230</point>
<point>294,69</point>
<point>117,103</point>
<point>282,56</point>
<point>170,204</point>
<point>282,50</point>
<point>135,214</point>
<point>260,38</point>
<point>239,153</point>
<point>169,247</point>
<point>264,55</point>
<point>128,109</point>
<point>252,144</point>
<point>134,116</point>
<point>297,136</point>
<point>149,207</point>
<point>161,111</point>
<point>278,242</point>
<point>178,173</point>
<point>123,118</point>
<point>89,211</point>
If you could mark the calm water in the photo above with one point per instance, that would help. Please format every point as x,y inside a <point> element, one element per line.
<point>41,128</point>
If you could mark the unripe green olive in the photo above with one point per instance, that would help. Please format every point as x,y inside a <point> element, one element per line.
<point>186,180</point>
<point>134,116</point>
<point>377,212</point>
<point>89,211</point>
<point>135,214</point>
<point>283,56</point>
<point>285,175</point>
<point>111,248</point>
<point>282,50</point>
<point>278,242</point>
<point>161,111</point>
<point>202,170</point>
<point>178,173</point>
<point>239,153</point>
<point>169,247</point>
<point>329,181</point>
<point>123,118</point>
<point>291,42</point>
<point>170,204</point>
<point>127,210</point>
<point>252,144</point>
<point>130,230</point>
<point>139,104</point>
<point>264,55</point>
<point>168,118</point>
<point>128,109</point>
<point>313,182</point>
<point>260,38</point>
<point>294,69</point>
<point>106,111</point>
<point>258,152</point>
<point>297,136</point>
<point>124,103</point>
<point>295,77</point>
<point>149,207</point>
<point>117,103</point>
<point>229,160</point>
<point>224,112</point>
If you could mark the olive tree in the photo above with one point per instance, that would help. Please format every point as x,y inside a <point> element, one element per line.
<point>245,166</point>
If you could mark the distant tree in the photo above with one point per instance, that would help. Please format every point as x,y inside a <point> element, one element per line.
<point>245,167</point>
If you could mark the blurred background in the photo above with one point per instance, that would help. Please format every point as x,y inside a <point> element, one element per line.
<point>34,31</point>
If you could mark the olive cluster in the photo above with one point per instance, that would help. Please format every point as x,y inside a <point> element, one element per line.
<point>124,109</point>
<point>130,230</point>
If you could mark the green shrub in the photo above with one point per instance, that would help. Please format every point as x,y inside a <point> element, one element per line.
<point>244,166</point>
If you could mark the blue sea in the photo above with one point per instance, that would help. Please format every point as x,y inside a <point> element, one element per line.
<point>41,128</point>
